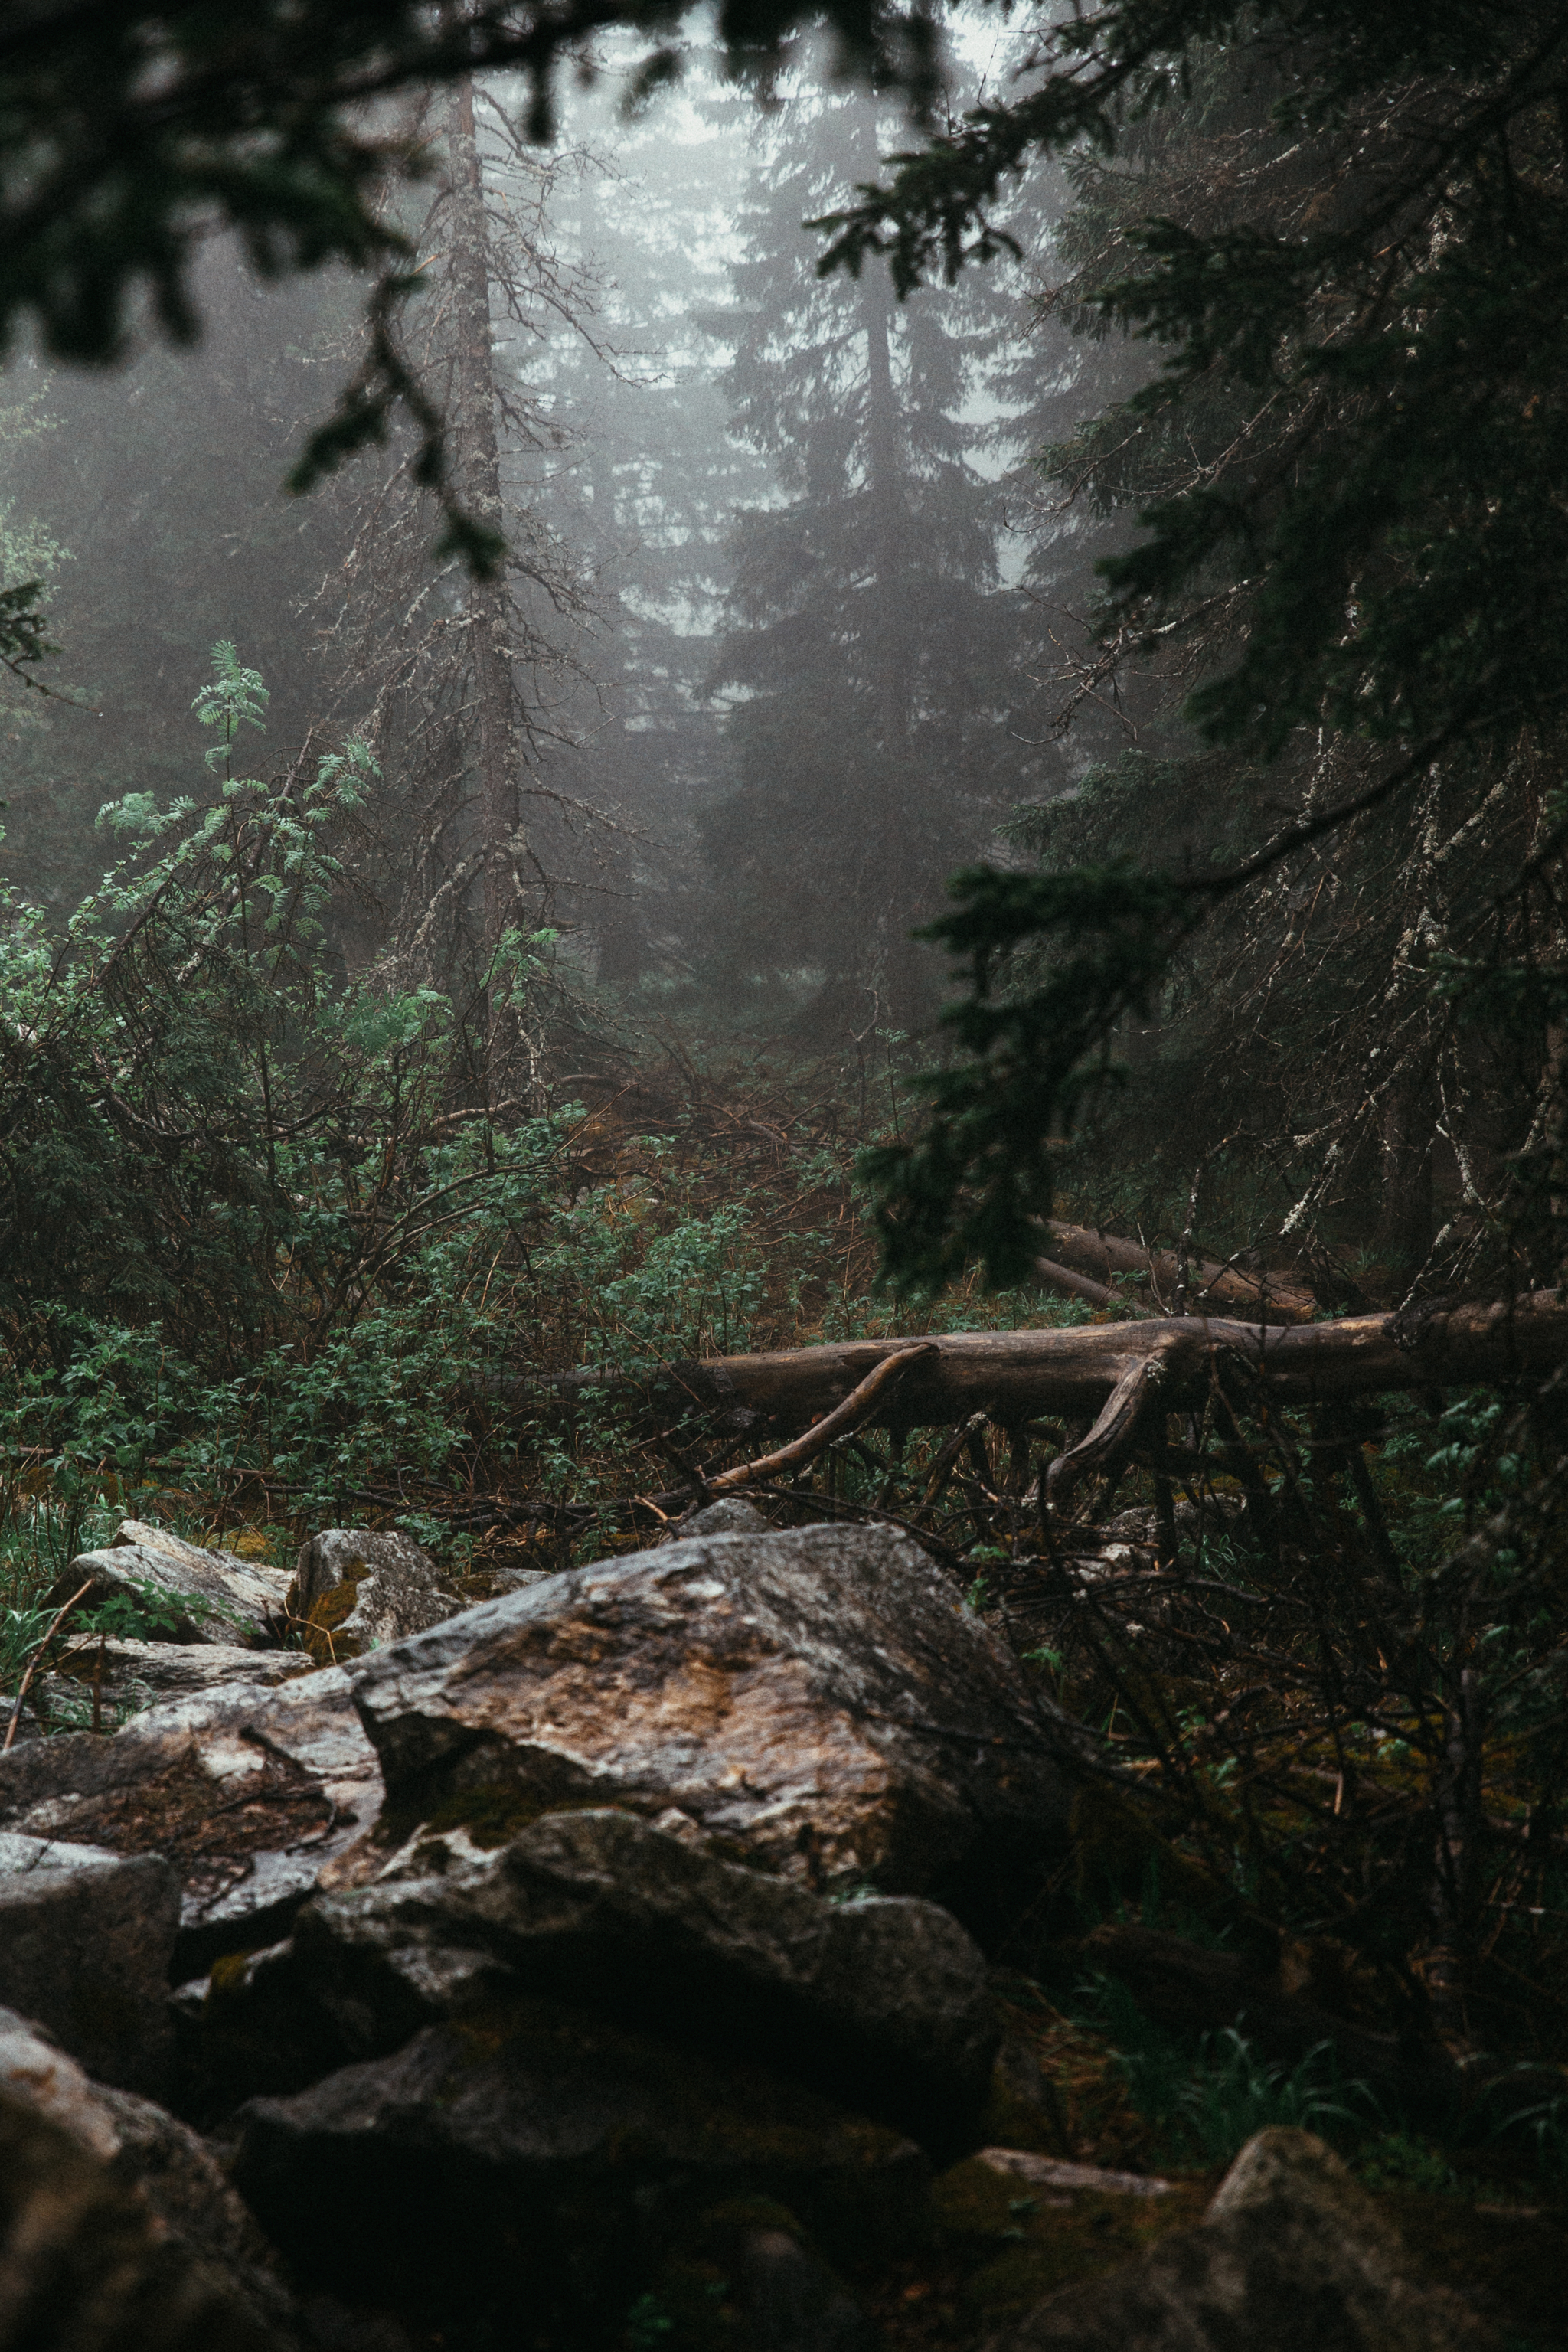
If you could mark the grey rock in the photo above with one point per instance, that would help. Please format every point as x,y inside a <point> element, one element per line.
<point>355,1589</point>
<point>34,2068</point>
<point>819,1704</point>
<point>88,2264</point>
<point>1291,2255</point>
<point>85,1942</point>
<point>164,1540</point>
<point>189,1595</point>
<point>884,2003</point>
<point>140,1674</point>
<point>1052,2172</point>
<point>520,1580</point>
<point>247,1791</point>
<point>535,2150</point>
<point>191,2194</point>
<point>730,1517</point>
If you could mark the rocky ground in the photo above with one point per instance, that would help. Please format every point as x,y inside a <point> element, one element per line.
<point>615,1964</point>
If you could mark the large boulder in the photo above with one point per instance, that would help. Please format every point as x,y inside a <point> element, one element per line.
<point>151,2152</point>
<point>534,2159</point>
<point>178,1591</point>
<point>355,1590</point>
<point>883,2003</point>
<point>85,1937</point>
<point>1291,2255</point>
<point>88,2264</point>
<point>821,1705</point>
<point>247,1793</point>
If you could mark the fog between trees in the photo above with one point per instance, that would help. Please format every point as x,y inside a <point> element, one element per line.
<point>798,616</point>
<point>760,673</point>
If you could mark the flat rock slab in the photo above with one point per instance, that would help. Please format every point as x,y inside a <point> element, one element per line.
<point>185,1593</point>
<point>535,2151</point>
<point>884,2003</point>
<point>1291,2256</point>
<point>86,1938</point>
<point>818,1704</point>
<point>1051,2172</point>
<point>142,1673</point>
<point>248,1793</point>
<point>355,1589</point>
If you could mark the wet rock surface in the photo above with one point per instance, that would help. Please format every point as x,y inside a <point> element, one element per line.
<point>88,2264</point>
<point>355,1589</point>
<point>884,2002</point>
<point>820,1705</point>
<point>537,2143</point>
<point>138,1675</point>
<point>246,1793</point>
<point>596,1970</point>
<point>189,1595</point>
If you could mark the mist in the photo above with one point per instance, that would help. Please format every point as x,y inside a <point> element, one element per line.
<point>777,658</point>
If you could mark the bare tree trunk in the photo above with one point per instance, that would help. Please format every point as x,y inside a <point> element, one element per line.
<point>889,533</point>
<point>1403,1229</point>
<point>477,453</point>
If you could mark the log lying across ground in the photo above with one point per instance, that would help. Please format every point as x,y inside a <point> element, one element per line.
<point>1085,1263</point>
<point>1016,1376</point>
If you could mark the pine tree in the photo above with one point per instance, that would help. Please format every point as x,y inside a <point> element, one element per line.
<point>866,654</point>
<point>647,503</point>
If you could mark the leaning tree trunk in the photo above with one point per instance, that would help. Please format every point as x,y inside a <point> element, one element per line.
<point>477,464</point>
<point>888,543</point>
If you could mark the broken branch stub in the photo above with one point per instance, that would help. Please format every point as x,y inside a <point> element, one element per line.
<point>856,1408</point>
<point>1143,1394</point>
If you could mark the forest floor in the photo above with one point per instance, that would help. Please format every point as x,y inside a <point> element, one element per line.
<point>1277,1685</point>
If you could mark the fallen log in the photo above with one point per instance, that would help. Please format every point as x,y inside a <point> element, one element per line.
<point>1015,1376</point>
<point>1079,1286</point>
<point>1263,1298</point>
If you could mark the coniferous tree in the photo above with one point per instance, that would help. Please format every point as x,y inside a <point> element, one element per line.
<point>647,503</point>
<point>454,676</point>
<point>866,656</point>
<point>161,488</point>
<point>1310,967</point>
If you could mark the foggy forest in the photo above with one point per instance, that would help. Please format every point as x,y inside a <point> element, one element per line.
<point>783,1123</point>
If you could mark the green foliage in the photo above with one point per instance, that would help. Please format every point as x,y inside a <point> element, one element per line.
<point>981,1172</point>
<point>1208,2099</point>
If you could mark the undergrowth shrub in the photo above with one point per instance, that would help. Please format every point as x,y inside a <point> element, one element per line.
<point>284,1240</point>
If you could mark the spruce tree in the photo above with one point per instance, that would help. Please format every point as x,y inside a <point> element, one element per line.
<point>866,659</point>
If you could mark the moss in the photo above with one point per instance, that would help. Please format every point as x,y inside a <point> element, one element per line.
<point>320,1628</point>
